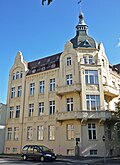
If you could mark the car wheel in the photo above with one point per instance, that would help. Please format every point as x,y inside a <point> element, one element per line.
<point>24,157</point>
<point>42,159</point>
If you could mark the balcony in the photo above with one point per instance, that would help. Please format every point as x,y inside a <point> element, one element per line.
<point>61,90</point>
<point>111,91</point>
<point>74,115</point>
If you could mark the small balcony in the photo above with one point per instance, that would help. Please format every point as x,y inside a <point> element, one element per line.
<point>110,91</point>
<point>74,115</point>
<point>61,90</point>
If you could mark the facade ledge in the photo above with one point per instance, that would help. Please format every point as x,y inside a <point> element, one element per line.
<point>84,115</point>
<point>61,90</point>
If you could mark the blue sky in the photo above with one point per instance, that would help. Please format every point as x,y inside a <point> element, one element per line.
<point>38,31</point>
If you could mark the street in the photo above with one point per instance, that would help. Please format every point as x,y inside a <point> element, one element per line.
<point>11,161</point>
<point>67,161</point>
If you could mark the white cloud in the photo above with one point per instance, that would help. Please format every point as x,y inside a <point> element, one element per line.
<point>118,44</point>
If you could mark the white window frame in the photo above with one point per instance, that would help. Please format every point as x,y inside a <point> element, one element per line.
<point>92,131</point>
<point>19,92</point>
<point>93,102</point>
<point>13,92</point>
<point>70,132</point>
<point>29,133</point>
<point>52,84</point>
<point>11,114</point>
<point>51,132</point>
<point>31,110</point>
<point>69,79</point>
<point>69,104</point>
<point>69,61</point>
<point>41,108</point>
<point>42,83</point>
<point>52,107</point>
<point>91,76</point>
<point>17,111</point>
<point>16,133</point>
<point>40,132</point>
<point>32,89</point>
<point>17,75</point>
<point>9,133</point>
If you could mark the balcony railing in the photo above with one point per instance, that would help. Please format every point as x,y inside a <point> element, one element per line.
<point>110,91</point>
<point>61,90</point>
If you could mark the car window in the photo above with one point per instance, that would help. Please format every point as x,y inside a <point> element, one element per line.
<point>25,148</point>
<point>36,149</point>
<point>30,148</point>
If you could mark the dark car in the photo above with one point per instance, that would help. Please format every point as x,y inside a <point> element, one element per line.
<point>37,152</point>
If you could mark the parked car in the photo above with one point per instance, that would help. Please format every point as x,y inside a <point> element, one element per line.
<point>38,152</point>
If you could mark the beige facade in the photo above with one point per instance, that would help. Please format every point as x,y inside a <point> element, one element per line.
<point>63,99</point>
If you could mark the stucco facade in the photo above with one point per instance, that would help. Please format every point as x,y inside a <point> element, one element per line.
<point>65,99</point>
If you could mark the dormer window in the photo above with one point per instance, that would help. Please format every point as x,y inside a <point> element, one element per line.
<point>69,61</point>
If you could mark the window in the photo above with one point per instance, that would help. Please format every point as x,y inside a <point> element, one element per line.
<point>9,134</point>
<point>93,152</point>
<point>40,132</point>
<point>91,76</point>
<point>41,108</point>
<point>103,63</point>
<point>17,75</point>
<point>69,104</point>
<point>17,111</point>
<point>12,92</point>
<point>13,76</point>
<point>32,89</point>
<point>31,110</point>
<point>92,131</point>
<point>52,107</point>
<point>41,86</point>
<point>11,112</point>
<point>21,74</point>
<point>93,102</point>
<point>88,60</point>
<point>52,84</point>
<point>29,133</point>
<point>69,79</point>
<point>69,62</point>
<point>15,150</point>
<point>70,132</point>
<point>70,152</point>
<point>51,132</point>
<point>19,91</point>
<point>16,133</point>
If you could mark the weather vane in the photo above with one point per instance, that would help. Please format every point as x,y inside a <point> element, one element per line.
<point>79,3</point>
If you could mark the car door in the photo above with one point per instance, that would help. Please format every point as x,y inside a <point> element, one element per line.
<point>30,153</point>
<point>37,152</point>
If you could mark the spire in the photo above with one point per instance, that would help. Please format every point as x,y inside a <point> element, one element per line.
<point>82,26</point>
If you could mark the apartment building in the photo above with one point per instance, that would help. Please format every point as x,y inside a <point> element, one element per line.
<point>3,109</point>
<point>65,99</point>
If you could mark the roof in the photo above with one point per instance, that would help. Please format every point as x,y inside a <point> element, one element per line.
<point>40,65</point>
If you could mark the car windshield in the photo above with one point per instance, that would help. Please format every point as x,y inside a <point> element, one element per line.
<point>45,149</point>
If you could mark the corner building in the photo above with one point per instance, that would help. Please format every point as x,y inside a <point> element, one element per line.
<point>65,99</point>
